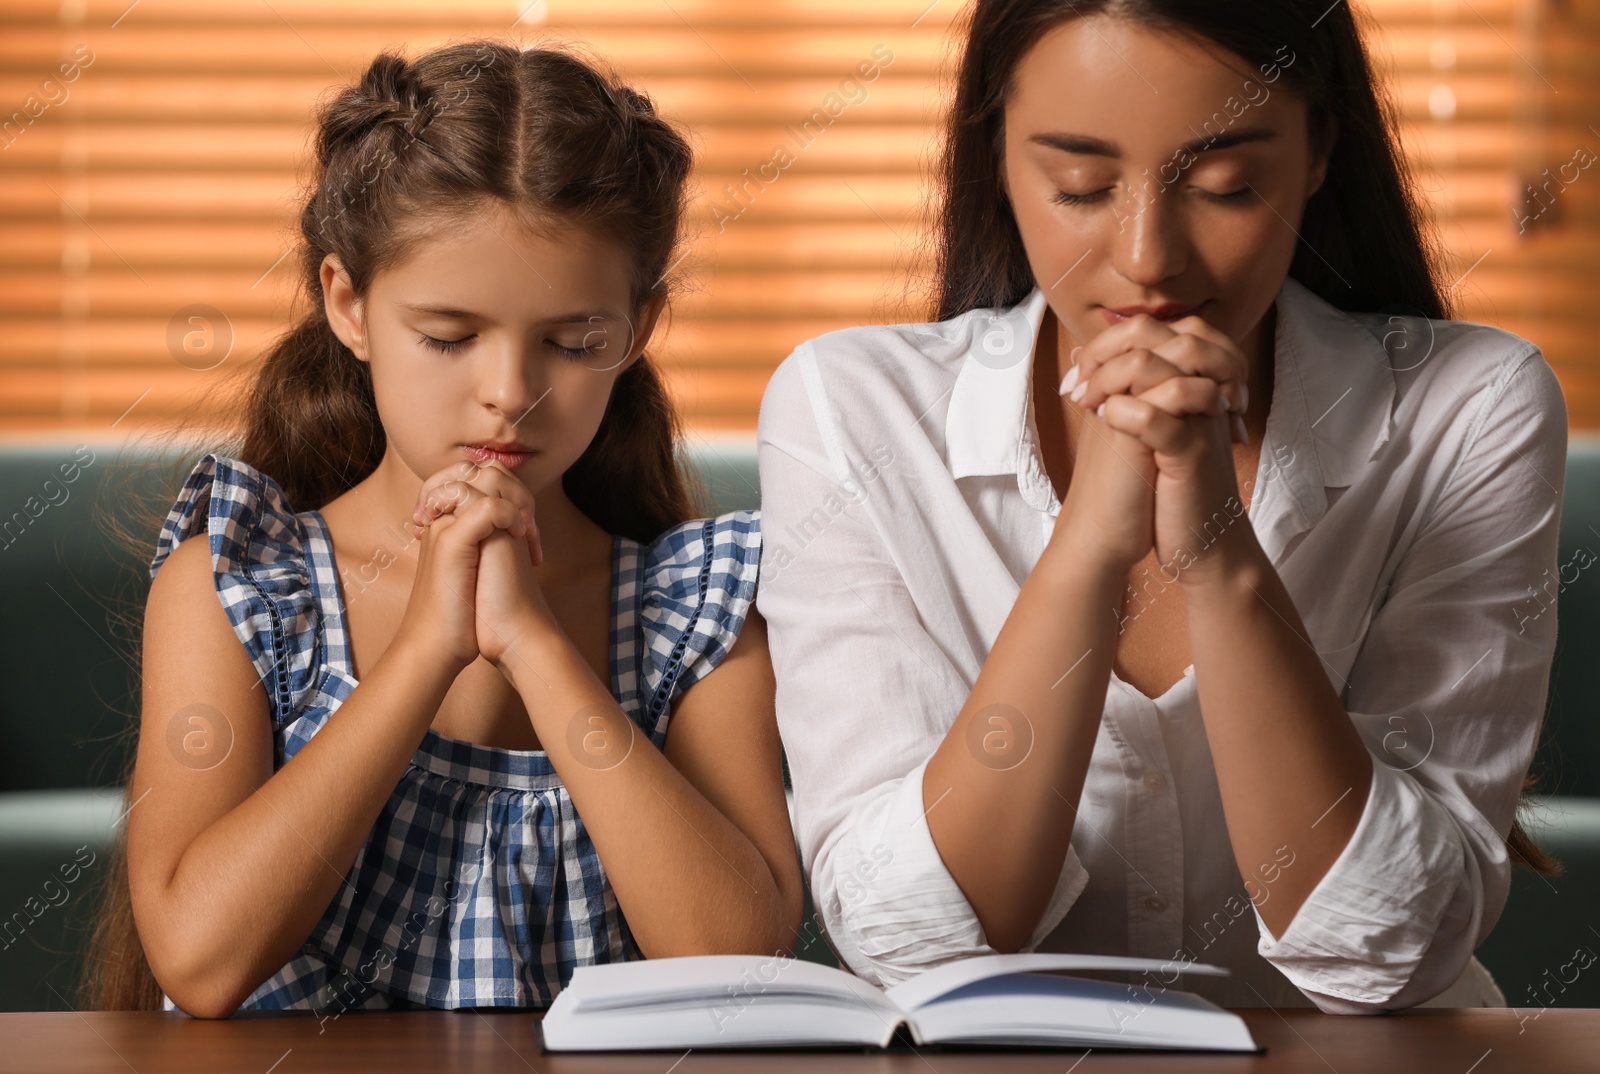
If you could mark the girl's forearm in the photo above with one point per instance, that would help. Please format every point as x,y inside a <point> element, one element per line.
<point>247,892</point>
<point>1292,770</point>
<point>1002,789</point>
<point>688,880</point>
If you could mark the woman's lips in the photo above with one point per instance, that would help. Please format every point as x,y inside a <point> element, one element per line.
<point>1164,313</point>
<point>509,459</point>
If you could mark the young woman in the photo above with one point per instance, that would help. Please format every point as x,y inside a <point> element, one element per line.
<point>1064,665</point>
<point>418,752</point>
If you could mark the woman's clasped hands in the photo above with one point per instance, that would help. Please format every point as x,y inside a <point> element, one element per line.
<point>1177,392</point>
<point>475,589</point>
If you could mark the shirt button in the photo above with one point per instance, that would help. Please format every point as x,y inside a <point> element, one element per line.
<point>1156,903</point>
<point>1155,780</point>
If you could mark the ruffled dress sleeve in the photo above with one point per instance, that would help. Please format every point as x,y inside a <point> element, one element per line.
<point>699,585</point>
<point>258,556</point>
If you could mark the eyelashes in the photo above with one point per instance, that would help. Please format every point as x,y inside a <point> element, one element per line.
<point>443,346</point>
<point>1228,197</point>
<point>450,346</point>
<point>572,352</point>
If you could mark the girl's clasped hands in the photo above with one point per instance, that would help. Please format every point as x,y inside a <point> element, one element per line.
<point>476,590</point>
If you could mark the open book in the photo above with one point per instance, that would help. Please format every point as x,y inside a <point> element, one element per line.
<point>753,1001</point>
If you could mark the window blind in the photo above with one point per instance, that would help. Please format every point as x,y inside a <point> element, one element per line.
<point>151,154</point>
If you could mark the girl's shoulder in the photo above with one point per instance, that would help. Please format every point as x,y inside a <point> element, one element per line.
<point>236,505</point>
<point>696,583</point>
<point>260,563</point>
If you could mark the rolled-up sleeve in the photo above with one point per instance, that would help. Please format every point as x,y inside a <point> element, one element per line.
<point>864,697</point>
<point>1448,692</point>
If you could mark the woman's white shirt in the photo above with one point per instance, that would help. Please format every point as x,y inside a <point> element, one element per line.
<point>1408,494</point>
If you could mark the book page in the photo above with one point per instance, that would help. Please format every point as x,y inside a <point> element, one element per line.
<point>929,986</point>
<point>706,978</point>
<point>716,1001</point>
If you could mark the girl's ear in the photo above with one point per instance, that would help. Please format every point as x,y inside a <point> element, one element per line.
<point>342,306</point>
<point>646,328</point>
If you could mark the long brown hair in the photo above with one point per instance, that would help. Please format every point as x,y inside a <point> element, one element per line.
<point>540,131</point>
<point>1366,243</point>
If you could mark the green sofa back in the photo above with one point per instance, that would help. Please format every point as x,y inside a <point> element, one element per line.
<point>1568,762</point>
<point>68,681</point>
<point>68,675</point>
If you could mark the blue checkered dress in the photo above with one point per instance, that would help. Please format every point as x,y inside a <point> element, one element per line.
<point>478,886</point>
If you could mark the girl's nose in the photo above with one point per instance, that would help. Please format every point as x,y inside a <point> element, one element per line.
<point>512,382</point>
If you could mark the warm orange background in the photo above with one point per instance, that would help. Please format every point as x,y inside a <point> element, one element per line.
<point>166,175</point>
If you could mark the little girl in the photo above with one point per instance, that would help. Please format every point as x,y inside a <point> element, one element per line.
<point>460,559</point>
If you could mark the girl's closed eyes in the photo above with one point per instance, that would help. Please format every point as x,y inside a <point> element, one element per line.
<point>534,324</point>
<point>449,346</point>
<point>595,341</point>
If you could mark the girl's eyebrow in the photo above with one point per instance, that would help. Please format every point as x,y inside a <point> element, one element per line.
<point>579,317</point>
<point>1083,143</point>
<point>440,311</point>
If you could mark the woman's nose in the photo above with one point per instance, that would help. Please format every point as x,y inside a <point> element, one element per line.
<point>1151,244</point>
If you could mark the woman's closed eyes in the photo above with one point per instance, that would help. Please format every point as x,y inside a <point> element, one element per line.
<point>1227,197</point>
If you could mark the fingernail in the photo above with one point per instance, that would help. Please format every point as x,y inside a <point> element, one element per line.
<point>1069,380</point>
<point>1100,411</point>
<point>1079,392</point>
<point>1244,397</point>
<point>1242,429</point>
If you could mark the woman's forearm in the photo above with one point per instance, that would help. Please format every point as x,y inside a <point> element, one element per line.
<point>688,880</point>
<point>1292,770</point>
<point>249,889</point>
<point>1002,789</point>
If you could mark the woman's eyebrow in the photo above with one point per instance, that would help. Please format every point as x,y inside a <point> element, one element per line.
<point>1098,147</point>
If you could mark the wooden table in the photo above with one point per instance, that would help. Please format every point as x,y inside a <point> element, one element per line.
<point>1417,1042</point>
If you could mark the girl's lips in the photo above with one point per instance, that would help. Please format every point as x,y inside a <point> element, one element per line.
<point>509,459</point>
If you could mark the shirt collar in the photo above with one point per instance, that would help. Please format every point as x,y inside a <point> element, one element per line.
<point>987,419</point>
<point>1332,412</point>
<point>1332,407</point>
<point>1338,375</point>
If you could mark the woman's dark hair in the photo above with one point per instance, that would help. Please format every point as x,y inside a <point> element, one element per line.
<point>1365,242</point>
<point>467,127</point>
